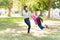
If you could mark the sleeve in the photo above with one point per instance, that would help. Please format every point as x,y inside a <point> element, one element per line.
<point>38,19</point>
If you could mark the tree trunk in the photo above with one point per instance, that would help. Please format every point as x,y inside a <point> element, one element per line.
<point>50,5</point>
<point>9,7</point>
<point>41,13</point>
<point>9,12</point>
<point>21,10</point>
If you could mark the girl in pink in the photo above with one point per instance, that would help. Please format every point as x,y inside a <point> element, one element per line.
<point>38,21</point>
<point>34,18</point>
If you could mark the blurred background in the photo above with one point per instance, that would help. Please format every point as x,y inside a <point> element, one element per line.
<point>12,26</point>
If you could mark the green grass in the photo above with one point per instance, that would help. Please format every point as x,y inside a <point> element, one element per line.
<point>23,36</point>
<point>10,23</point>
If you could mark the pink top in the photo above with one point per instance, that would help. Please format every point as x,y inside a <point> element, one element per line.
<point>34,18</point>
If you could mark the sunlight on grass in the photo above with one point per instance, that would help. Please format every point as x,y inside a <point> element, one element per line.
<point>12,29</point>
<point>23,36</point>
<point>9,23</point>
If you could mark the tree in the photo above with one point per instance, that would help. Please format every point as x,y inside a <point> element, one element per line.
<point>10,6</point>
<point>55,4</point>
<point>50,6</point>
<point>22,3</point>
<point>7,4</point>
<point>41,5</point>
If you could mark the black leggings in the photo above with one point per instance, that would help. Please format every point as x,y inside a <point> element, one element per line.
<point>27,21</point>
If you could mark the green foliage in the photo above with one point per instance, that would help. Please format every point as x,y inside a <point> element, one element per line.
<point>56,4</point>
<point>5,3</point>
<point>35,4</point>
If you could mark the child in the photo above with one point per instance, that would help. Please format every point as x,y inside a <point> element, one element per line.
<point>38,21</point>
<point>34,18</point>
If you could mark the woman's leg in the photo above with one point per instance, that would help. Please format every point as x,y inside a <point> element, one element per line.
<point>27,21</point>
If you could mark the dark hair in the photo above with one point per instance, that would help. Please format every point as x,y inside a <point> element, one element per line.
<point>25,8</point>
<point>37,10</point>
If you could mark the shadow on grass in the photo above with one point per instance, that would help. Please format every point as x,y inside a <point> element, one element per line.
<point>23,36</point>
<point>9,23</point>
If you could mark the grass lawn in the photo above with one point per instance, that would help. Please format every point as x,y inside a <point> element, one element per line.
<point>10,23</point>
<point>23,36</point>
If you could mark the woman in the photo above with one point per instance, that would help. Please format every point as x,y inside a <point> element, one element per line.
<point>26,18</point>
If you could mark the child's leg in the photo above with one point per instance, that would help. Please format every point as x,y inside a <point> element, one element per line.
<point>41,27</point>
